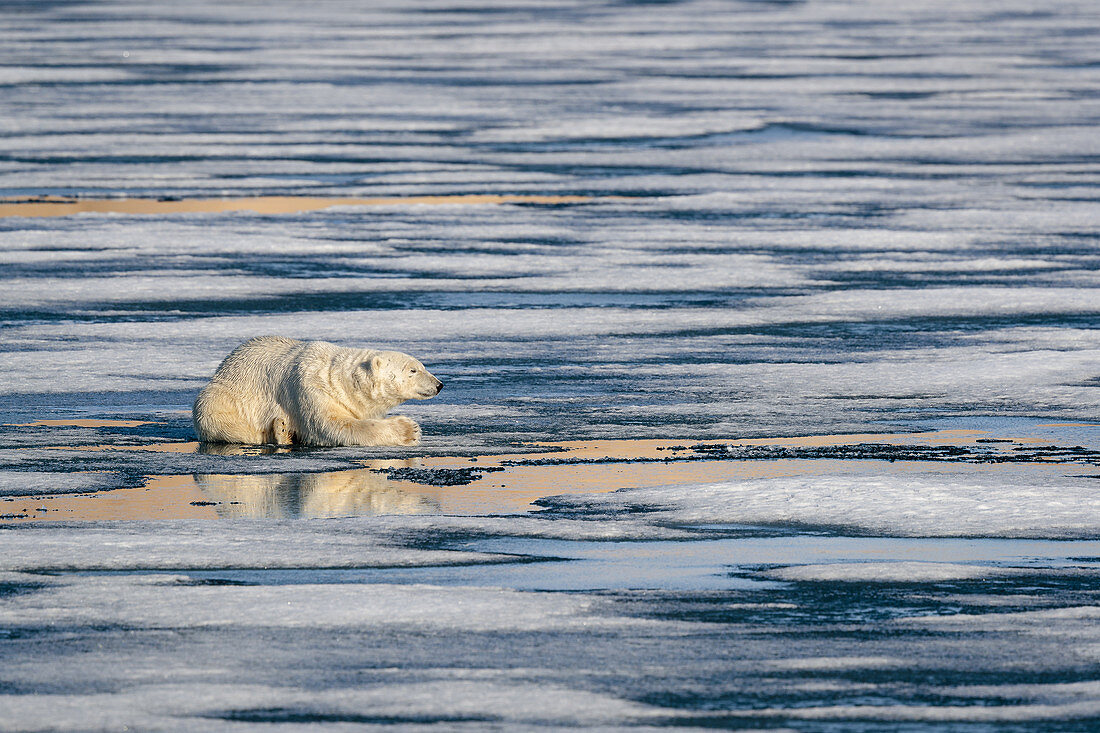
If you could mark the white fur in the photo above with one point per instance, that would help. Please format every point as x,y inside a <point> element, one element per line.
<point>278,390</point>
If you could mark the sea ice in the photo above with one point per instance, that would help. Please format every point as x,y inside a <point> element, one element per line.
<point>801,218</point>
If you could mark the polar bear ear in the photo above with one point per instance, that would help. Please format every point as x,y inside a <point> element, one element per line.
<point>372,366</point>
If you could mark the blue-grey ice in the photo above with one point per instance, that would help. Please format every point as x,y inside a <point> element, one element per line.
<point>801,218</point>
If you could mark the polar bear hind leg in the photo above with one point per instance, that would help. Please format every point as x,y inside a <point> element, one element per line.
<point>219,419</point>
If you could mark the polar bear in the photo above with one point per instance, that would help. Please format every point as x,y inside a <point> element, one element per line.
<point>278,390</point>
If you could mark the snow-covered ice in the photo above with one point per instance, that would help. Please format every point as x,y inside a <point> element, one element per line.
<point>938,502</point>
<point>799,218</point>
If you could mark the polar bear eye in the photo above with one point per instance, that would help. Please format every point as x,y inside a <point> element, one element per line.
<point>412,371</point>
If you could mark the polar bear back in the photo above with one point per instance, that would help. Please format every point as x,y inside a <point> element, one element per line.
<point>259,365</point>
<point>278,374</point>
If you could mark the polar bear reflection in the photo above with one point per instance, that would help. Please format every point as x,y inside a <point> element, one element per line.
<point>332,494</point>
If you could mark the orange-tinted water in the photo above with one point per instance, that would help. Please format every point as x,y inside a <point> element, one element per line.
<point>513,482</point>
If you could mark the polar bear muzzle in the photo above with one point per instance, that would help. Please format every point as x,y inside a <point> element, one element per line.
<point>430,390</point>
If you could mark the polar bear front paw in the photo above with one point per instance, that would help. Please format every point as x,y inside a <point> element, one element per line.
<point>406,431</point>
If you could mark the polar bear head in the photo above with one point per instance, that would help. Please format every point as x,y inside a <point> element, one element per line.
<point>396,377</point>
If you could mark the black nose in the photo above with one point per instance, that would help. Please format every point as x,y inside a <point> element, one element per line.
<point>439,388</point>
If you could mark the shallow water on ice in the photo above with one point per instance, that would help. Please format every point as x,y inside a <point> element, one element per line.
<point>802,219</point>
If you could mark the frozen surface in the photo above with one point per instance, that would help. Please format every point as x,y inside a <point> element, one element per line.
<point>771,629</point>
<point>803,218</point>
<point>635,324</point>
<point>940,502</point>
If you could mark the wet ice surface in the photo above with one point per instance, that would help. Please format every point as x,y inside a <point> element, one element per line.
<point>836,218</point>
<point>738,627</point>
